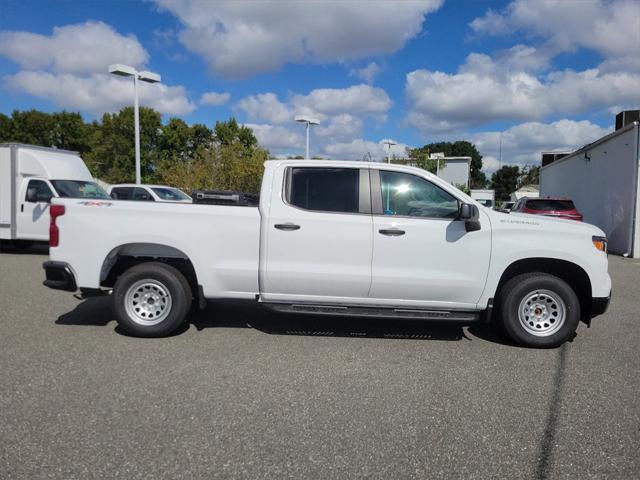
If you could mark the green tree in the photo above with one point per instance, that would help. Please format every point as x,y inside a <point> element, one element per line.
<point>112,154</point>
<point>460,148</point>
<point>32,127</point>
<point>231,133</point>
<point>530,175</point>
<point>505,181</point>
<point>234,162</point>
<point>179,142</point>
<point>70,132</point>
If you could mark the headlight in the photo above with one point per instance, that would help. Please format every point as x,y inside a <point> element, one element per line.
<point>600,243</point>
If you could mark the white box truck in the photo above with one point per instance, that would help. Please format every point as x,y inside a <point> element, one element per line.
<point>29,177</point>
<point>484,197</point>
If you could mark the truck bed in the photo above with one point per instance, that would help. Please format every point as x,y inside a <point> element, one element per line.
<point>222,242</point>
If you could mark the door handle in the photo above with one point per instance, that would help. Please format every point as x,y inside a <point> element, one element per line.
<point>287,226</point>
<point>22,207</point>
<point>392,232</point>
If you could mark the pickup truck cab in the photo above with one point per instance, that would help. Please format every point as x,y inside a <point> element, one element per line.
<point>336,237</point>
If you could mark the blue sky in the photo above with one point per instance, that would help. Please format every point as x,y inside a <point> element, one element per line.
<point>544,75</point>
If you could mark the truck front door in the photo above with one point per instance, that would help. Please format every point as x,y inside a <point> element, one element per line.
<point>318,235</point>
<point>422,255</point>
<point>33,210</point>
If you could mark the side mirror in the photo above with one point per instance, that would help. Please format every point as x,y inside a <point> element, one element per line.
<point>470,214</point>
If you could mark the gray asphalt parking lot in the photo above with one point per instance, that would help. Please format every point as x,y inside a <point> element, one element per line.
<point>246,394</point>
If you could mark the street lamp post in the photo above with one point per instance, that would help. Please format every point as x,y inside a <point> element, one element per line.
<point>308,121</point>
<point>144,76</point>
<point>389,143</point>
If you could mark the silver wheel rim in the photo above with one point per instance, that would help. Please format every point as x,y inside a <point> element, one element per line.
<point>147,302</point>
<point>542,313</point>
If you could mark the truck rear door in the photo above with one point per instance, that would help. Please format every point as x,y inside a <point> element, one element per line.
<point>318,235</point>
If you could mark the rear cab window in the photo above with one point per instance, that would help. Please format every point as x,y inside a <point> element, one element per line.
<point>324,189</point>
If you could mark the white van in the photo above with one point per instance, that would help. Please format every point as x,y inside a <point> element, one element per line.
<point>29,177</point>
<point>485,197</point>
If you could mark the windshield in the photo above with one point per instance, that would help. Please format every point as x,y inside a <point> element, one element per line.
<point>549,204</point>
<point>166,193</point>
<point>79,189</point>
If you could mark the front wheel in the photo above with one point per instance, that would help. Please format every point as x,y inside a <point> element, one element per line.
<point>539,310</point>
<point>151,300</point>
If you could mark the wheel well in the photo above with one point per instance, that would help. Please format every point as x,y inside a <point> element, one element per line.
<point>122,258</point>
<point>571,273</point>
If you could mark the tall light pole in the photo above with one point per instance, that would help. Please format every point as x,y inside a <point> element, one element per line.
<point>144,76</point>
<point>389,143</point>
<point>308,121</point>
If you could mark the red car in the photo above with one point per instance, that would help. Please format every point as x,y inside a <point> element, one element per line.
<point>550,206</point>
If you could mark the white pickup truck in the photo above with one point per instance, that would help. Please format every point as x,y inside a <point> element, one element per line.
<point>334,237</point>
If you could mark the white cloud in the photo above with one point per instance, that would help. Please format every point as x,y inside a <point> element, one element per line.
<point>484,90</point>
<point>340,127</point>
<point>266,107</point>
<point>214,99</point>
<point>368,73</point>
<point>99,93</point>
<point>356,100</point>
<point>341,111</point>
<point>322,103</point>
<point>609,27</point>
<point>360,149</point>
<point>81,48</point>
<point>69,68</point>
<point>276,137</point>
<point>239,39</point>
<point>523,144</point>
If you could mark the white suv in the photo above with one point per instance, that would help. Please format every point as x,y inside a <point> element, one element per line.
<point>148,193</point>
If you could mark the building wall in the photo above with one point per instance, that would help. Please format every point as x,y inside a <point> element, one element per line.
<point>602,180</point>
<point>455,170</point>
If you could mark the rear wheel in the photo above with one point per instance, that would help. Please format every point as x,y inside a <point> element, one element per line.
<point>151,299</point>
<point>539,310</point>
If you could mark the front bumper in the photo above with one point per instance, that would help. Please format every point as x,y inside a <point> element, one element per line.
<point>599,305</point>
<point>59,276</point>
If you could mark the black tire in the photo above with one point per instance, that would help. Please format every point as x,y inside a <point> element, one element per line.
<point>164,284</point>
<point>526,286</point>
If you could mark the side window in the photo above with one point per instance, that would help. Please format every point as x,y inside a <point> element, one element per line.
<point>142,194</point>
<point>324,189</point>
<point>408,195</point>
<point>38,191</point>
<point>121,193</point>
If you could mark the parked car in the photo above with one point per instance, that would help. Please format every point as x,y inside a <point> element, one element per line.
<point>332,237</point>
<point>148,193</point>
<point>558,207</point>
<point>29,177</point>
<point>507,206</point>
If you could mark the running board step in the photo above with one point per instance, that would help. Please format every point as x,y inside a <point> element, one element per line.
<point>380,312</point>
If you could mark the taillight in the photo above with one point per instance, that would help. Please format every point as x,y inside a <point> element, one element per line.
<point>54,234</point>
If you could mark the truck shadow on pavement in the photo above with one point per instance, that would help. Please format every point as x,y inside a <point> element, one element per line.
<point>230,315</point>
<point>97,312</point>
